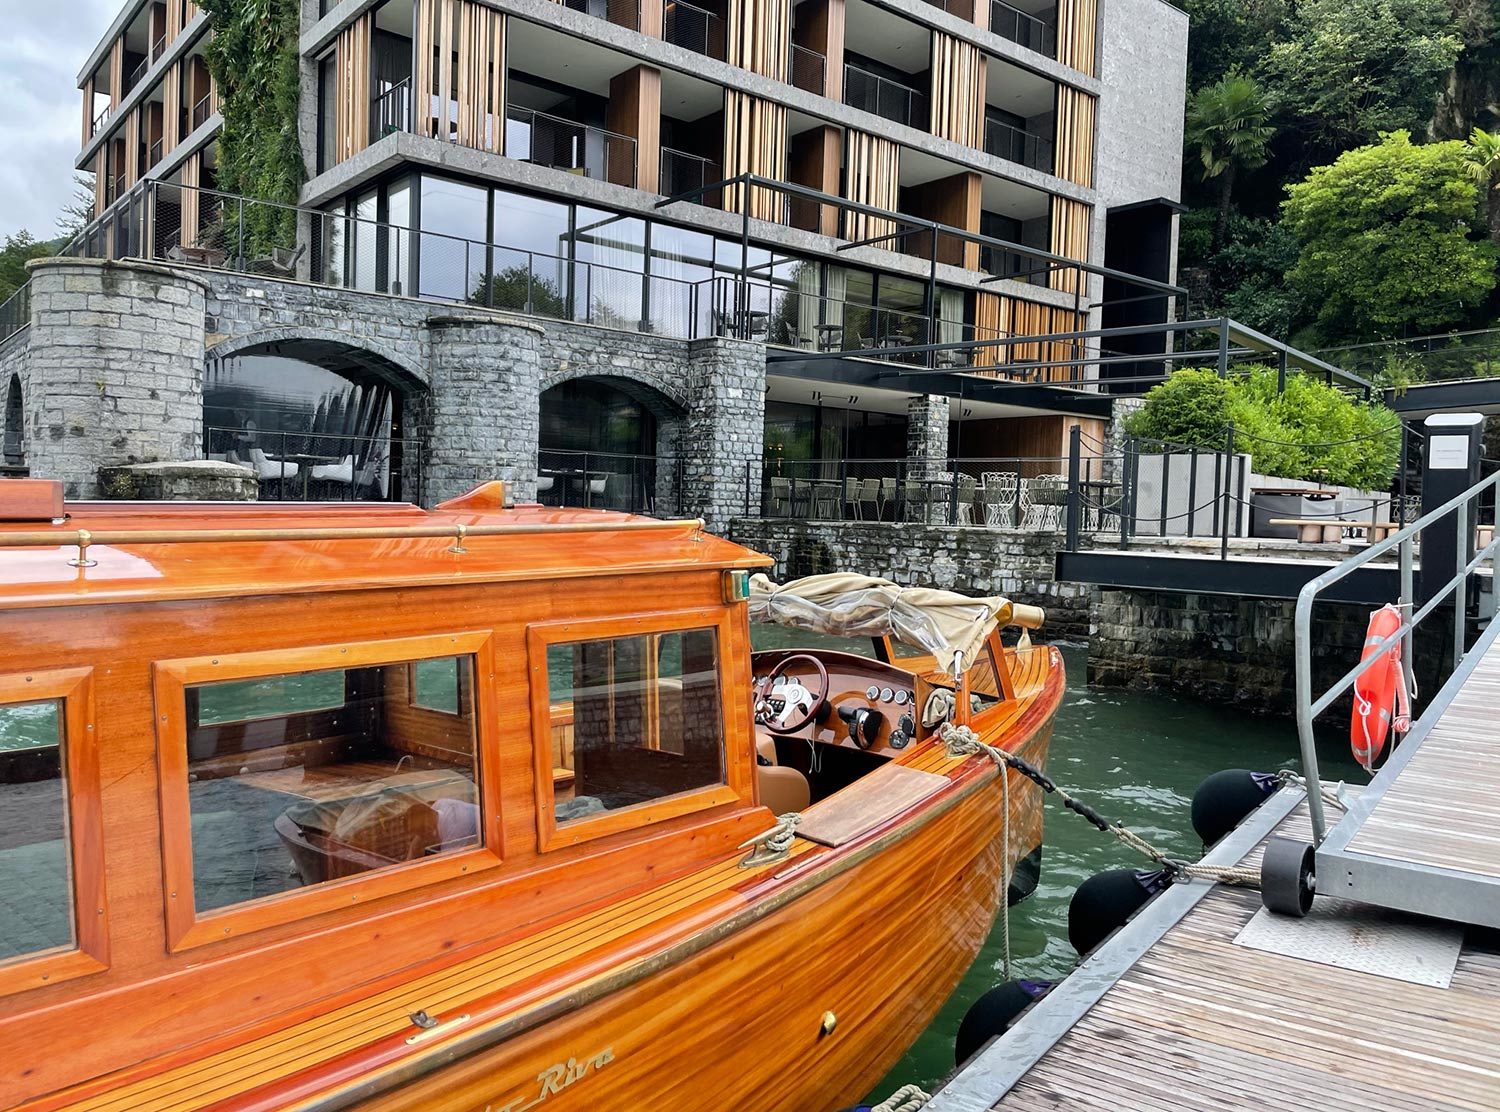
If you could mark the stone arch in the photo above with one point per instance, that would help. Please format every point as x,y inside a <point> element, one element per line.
<point>415,375</point>
<point>665,395</point>
<point>14,447</point>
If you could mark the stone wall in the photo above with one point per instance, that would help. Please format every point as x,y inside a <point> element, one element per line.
<point>13,364</point>
<point>1236,651</point>
<point>724,435</point>
<point>114,368</point>
<point>927,434</point>
<point>970,561</point>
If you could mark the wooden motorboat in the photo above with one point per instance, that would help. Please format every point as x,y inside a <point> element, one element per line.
<point>366,806</point>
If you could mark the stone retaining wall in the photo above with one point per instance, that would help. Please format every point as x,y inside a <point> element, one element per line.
<point>970,561</point>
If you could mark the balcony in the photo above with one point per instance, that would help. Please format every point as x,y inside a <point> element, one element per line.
<point>159,47</point>
<point>390,111</point>
<point>808,70</point>
<point>590,152</point>
<point>1023,28</point>
<point>681,172</point>
<point>201,113</point>
<point>99,121</point>
<point>154,155</point>
<point>1011,143</point>
<point>622,13</point>
<point>693,28</point>
<point>886,98</point>
<point>135,75</point>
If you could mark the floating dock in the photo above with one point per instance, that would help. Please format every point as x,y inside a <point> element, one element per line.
<point>1207,1001</point>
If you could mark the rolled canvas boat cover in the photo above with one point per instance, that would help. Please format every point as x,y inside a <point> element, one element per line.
<point>845,605</point>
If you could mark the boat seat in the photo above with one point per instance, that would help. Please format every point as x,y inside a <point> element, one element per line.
<point>781,788</point>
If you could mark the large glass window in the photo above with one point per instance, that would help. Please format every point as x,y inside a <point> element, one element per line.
<point>36,898</point>
<point>634,719</point>
<point>610,252</point>
<point>455,234</point>
<point>682,262</point>
<point>299,779</point>
<point>531,255</point>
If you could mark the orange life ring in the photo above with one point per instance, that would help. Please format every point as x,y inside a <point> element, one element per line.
<point>1380,696</point>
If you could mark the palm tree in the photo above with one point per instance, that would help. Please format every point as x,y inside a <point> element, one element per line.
<point>1482,161</point>
<point>1229,123</point>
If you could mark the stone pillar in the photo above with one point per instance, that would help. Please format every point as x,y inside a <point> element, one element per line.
<point>927,435</point>
<point>482,416</point>
<point>115,362</point>
<point>723,438</point>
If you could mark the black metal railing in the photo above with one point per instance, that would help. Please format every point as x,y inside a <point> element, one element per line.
<point>153,156</point>
<point>640,484</point>
<point>201,112</point>
<point>100,120</point>
<point>15,312</point>
<point>694,28</point>
<point>136,74</point>
<point>580,148</point>
<point>1015,144</point>
<point>390,110</point>
<point>888,99</point>
<point>681,172</point>
<point>623,13</point>
<point>1023,28</point>
<point>807,69</point>
<point>307,465</point>
<point>1027,493</point>
<point>159,46</point>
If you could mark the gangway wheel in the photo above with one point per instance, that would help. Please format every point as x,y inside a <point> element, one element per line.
<point>1287,884</point>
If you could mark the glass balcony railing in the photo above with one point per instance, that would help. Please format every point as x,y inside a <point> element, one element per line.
<point>693,28</point>
<point>1013,144</point>
<point>1031,31</point>
<point>886,98</point>
<point>591,152</point>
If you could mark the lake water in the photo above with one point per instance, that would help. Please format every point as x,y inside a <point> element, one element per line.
<point>1137,758</point>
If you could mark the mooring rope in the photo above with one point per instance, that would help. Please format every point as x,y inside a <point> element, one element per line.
<point>774,843</point>
<point>908,1098</point>
<point>961,741</point>
<point>1005,874</point>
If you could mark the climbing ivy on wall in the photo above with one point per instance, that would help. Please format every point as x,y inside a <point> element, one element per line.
<point>253,60</point>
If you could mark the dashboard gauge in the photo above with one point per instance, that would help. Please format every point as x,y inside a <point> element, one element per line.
<point>886,694</point>
<point>902,698</point>
<point>872,693</point>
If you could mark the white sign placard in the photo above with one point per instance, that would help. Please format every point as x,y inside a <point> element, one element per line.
<point>1448,453</point>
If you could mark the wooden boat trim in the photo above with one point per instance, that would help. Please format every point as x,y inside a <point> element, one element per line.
<point>186,927</point>
<point>817,865</point>
<point>74,689</point>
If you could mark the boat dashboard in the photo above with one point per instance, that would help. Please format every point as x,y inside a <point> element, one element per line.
<point>834,698</point>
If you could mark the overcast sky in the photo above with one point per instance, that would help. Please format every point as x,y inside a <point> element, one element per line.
<point>43,45</point>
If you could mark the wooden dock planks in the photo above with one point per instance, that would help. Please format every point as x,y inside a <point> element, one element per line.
<point>1444,809</point>
<point>1198,1023</point>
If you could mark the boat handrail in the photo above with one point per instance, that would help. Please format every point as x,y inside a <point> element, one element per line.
<point>1308,708</point>
<point>458,533</point>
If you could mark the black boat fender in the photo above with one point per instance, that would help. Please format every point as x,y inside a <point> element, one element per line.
<point>1223,800</point>
<point>1105,902</point>
<point>991,1015</point>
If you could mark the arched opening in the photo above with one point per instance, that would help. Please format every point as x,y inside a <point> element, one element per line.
<point>609,443</point>
<point>315,419</point>
<point>14,449</point>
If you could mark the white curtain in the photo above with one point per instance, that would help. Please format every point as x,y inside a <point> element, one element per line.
<point>950,316</point>
<point>838,290</point>
<point>808,275</point>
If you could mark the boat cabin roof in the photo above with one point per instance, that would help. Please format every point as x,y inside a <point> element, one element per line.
<point>137,552</point>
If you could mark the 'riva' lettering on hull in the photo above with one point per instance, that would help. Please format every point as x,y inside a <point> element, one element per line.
<point>554,1079</point>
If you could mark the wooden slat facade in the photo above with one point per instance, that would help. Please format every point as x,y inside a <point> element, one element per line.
<point>759,32</point>
<point>1070,238</point>
<point>172,121</point>
<point>1076,114</point>
<point>460,74</point>
<point>958,83</point>
<point>820,27</point>
<point>815,161</point>
<point>352,105</point>
<point>1077,35</point>
<point>192,207</point>
<point>635,110</point>
<point>997,316</point>
<point>754,143</point>
<point>872,176</point>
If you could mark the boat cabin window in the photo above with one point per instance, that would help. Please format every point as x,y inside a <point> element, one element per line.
<point>633,720</point>
<point>36,898</point>
<point>307,777</point>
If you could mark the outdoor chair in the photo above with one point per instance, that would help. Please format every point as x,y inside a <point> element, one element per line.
<point>1001,489</point>
<point>1043,500</point>
<point>869,496</point>
<point>967,489</point>
<point>267,469</point>
<point>852,492</point>
<point>913,500</point>
<point>781,497</point>
<point>825,499</point>
<point>282,261</point>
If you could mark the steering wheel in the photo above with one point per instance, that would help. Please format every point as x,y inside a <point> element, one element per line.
<point>793,706</point>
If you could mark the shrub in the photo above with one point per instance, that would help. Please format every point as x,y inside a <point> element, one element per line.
<point>1310,430</point>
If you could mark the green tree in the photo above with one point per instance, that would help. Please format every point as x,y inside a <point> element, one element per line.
<point>1229,35</point>
<point>1351,69</point>
<point>18,250</point>
<point>1385,240</point>
<point>1482,164</point>
<point>1228,123</point>
<point>1190,409</point>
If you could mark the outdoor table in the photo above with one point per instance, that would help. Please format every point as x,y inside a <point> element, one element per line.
<point>830,336</point>
<point>305,462</point>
